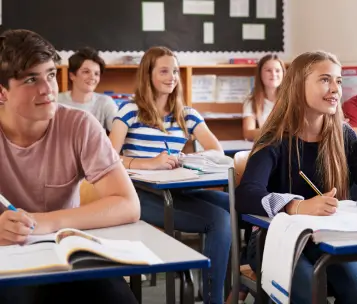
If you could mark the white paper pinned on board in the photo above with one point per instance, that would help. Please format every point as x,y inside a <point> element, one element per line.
<point>198,7</point>
<point>208,32</point>
<point>153,15</point>
<point>266,9</point>
<point>253,32</point>
<point>239,8</point>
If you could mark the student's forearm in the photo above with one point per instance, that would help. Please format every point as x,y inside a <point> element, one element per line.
<point>136,163</point>
<point>251,134</point>
<point>105,212</point>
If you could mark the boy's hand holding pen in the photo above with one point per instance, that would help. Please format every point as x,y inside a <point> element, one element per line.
<point>322,204</point>
<point>15,224</point>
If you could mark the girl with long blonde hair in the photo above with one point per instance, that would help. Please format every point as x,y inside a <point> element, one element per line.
<point>305,132</point>
<point>268,76</point>
<point>140,130</point>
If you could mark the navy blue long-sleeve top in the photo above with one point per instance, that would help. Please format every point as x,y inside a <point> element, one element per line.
<point>265,185</point>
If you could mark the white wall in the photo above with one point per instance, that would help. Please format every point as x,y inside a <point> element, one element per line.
<point>328,25</point>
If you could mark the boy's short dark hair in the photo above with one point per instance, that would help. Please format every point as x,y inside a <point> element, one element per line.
<point>87,53</point>
<point>20,50</point>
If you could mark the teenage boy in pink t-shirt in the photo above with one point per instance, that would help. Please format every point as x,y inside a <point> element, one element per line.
<point>45,151</point>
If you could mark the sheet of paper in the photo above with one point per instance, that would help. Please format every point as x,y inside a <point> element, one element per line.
<point>253,31</point>
<point>38,238</point>
<point>279,253</point>
<point>198,7</point>
<point>153,16</point>
<point>208,32</point>
<point>29,258</point>
<point>239,8</point>
<point>167,176</point>
<point>266,9</point>
<point>145,172</point>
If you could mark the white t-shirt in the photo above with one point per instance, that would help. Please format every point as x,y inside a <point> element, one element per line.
<point>267,108</point>
<point>101,106</point>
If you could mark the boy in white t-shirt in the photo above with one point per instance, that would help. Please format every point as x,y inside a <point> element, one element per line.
<point>85,68</point>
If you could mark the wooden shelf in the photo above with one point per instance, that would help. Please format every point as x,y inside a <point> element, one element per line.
<point>222,118</point>
<point>218,107</point>
<point>121,79</point>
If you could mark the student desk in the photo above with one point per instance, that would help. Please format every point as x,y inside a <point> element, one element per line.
<point>204,181</point>
<point>230,147</point>
<point>333,253</point>
<point>175,256</point>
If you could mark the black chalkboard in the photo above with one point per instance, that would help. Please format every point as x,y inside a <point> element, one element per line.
<point>116,25</point>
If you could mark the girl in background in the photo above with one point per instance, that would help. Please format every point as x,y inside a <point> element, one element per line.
<point>256,109</point>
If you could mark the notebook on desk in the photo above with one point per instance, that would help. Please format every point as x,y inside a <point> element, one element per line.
<point>285,232</point>
<point>71,248</point>
<point>163,176</point>
<point>209,161</point>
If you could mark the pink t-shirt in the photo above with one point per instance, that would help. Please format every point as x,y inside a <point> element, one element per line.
<point>45,176</point>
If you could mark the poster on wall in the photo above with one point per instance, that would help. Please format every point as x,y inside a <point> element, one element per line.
<point>349,83</point>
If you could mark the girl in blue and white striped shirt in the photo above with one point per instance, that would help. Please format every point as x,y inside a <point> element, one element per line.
<point>140,130</point>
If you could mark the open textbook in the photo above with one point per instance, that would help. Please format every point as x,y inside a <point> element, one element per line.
<point>71,248</point>
<point>287,237</point>
<point>209,161</point>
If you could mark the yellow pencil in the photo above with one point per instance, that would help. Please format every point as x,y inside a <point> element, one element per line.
<point>310,183</point>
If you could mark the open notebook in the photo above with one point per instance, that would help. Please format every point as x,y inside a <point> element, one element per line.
<point>163,176</point>
<point>281,252</point>
<point>71,248</point>
<point>209,161</point>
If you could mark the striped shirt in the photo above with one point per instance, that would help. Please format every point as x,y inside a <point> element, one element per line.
<point>146,141</point>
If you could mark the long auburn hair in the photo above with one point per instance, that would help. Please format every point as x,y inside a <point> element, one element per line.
<point>287,120</point>
<point>145,92</point>
<point>258,94</point>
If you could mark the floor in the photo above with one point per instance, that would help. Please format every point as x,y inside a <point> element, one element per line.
<point>156,294</point>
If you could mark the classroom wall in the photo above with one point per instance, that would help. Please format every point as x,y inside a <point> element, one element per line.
<point>309,25</point>
<point>323,24</point>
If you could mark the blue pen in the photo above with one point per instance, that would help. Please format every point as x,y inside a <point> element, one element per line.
<point>8,205</point>
<point>167,148</point>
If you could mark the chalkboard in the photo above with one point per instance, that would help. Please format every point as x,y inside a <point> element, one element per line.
<point>116,25</point>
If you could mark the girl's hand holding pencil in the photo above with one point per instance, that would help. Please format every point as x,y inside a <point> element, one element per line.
<point>325,204</point>
<point>164,161</point>
<point>322,204</point>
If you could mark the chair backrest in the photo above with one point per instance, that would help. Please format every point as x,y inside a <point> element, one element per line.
<point>87,193</point>
<point>240,162</point>
<point>234,177</point>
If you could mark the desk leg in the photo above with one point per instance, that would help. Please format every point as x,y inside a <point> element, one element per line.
<point>168,213</point>
<point>319,280</point>
<point>228,279</point>
<point>169,229</point>
<point>262,297</point>
<point>187,294</point>
<point>135,285</point>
